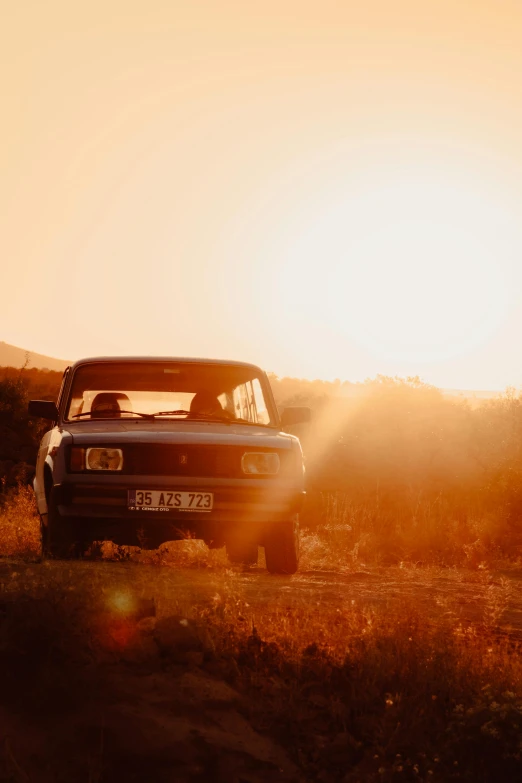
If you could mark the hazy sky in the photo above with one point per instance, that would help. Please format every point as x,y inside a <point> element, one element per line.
<point>330,189</point>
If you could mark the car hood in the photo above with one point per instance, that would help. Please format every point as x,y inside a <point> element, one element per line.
<point>177,432</point>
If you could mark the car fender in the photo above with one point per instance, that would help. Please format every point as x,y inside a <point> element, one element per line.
<point>47,451</point>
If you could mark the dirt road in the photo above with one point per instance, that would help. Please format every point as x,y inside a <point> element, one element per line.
<point>490,597</point>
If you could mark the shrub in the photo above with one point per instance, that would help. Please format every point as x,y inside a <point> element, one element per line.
<point>19,524</point>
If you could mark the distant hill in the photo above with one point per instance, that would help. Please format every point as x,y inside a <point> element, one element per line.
<point>11,356</point>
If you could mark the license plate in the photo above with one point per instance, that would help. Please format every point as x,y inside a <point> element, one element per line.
<point>163,500</point>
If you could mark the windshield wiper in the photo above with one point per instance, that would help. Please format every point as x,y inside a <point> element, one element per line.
<point>132,413</point>
<point>196,417</point>
<point>208,417</point>
<point>180,412</point>
<point>225,420</point>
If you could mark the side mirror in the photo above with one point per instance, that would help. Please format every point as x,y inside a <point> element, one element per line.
<point>44,409</point>
<point>291,416</point>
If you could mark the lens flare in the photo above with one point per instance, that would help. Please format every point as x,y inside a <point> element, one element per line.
<point>122,602</point>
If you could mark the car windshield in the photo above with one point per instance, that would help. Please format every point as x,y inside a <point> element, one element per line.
<point>169,390</point>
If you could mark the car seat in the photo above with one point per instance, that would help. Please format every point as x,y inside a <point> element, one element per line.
<point>107,405</point>
<point>205,402</point>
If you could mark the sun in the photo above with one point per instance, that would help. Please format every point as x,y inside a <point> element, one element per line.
<point>415,267</point>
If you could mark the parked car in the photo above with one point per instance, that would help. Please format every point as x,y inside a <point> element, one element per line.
<point>148,450</point>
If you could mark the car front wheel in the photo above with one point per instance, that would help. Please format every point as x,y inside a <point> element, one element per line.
<point>58,538</point>
<point>282,547</point>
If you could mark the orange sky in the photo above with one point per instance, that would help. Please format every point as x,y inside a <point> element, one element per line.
<point>331,189</point>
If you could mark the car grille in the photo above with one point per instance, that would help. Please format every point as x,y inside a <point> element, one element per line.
<point>166,460</point>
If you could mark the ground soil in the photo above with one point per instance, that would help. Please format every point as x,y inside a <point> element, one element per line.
<point>471,595</point>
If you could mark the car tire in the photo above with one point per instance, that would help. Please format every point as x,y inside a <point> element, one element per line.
<point>282,547</point>
<point>44,527</point>
<point>58,539</point>
<point>242,553</point>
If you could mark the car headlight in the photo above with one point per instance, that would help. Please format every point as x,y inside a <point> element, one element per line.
<point>103,459</point>
<point>98,458</point>
<point>260,463</point>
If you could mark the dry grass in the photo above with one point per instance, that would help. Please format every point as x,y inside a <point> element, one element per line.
<point>19,525</point>
<point>352,693</point>
<point>356,533</point>
<point>403,474</point>
<point>361,695</point>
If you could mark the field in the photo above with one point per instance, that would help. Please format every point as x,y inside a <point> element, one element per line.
<point>394,654</point>
<point>173,660</point>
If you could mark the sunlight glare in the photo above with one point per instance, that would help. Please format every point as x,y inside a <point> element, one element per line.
<point>416,268</point>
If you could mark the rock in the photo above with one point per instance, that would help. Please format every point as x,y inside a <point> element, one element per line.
<point>176,636</point>
<point>194,658</point>
<point>147,624</point>
<point>141,649</point>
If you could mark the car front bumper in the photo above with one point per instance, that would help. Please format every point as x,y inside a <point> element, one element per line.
<point>235,500</point>
<point>98,510</point>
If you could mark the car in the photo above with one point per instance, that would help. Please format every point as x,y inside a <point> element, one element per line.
<point>145,450</point>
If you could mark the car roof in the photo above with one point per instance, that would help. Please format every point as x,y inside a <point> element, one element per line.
<point>187,360</point>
